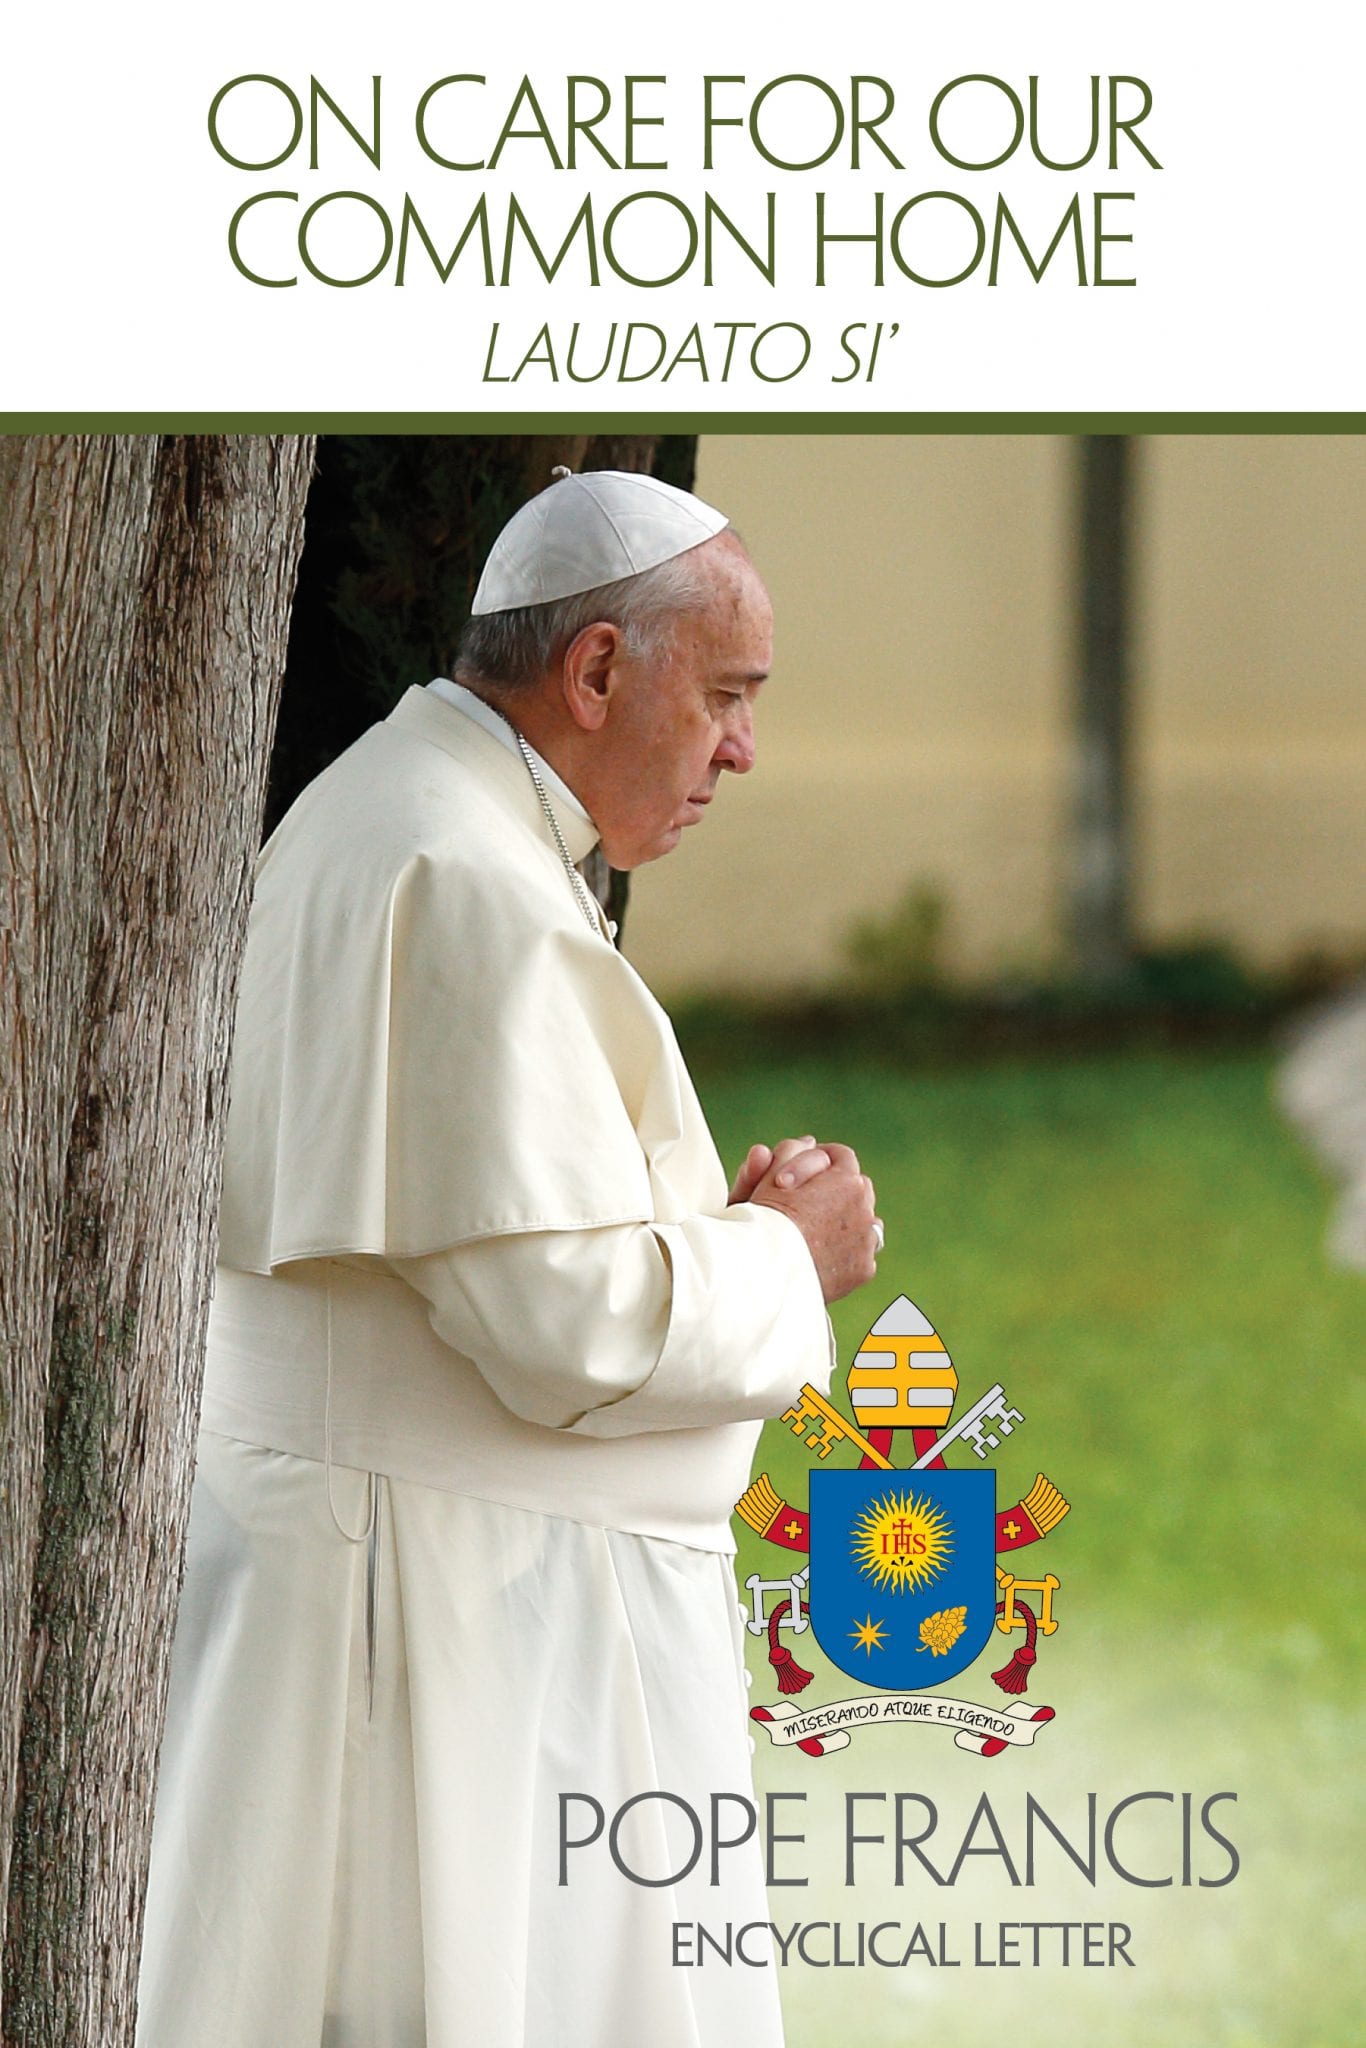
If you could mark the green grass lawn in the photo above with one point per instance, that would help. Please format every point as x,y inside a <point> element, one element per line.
<point>1134,1246</point>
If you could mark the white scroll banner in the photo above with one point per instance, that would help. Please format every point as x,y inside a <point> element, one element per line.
<point>819,1730</point>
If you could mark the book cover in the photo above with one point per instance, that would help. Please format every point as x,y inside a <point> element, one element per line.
<point>1055,835</point>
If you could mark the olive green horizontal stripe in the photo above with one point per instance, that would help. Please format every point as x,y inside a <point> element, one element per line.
<point>293,421</point>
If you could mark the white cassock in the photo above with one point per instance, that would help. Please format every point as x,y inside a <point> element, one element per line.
<point>486,1364</point>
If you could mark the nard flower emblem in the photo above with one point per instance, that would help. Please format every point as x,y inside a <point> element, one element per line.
<point>939,1632</point>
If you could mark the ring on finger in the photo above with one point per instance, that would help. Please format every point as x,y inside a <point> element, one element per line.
<point>879,1235</point>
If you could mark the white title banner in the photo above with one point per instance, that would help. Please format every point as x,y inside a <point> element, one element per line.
<point>711,209</point>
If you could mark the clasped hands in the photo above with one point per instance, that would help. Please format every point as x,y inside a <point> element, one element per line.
<point>830,1199</point>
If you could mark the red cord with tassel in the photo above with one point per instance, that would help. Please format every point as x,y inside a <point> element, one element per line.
<point>1014,1676</point>
<point>789,1673</point>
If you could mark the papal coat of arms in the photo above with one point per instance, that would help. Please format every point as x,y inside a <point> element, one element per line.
<point>904,1587</point>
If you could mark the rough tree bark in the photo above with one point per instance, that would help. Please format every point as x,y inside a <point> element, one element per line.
<point>145,585</point>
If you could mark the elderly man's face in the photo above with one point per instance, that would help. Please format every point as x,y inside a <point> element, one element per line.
<point>678,722</point>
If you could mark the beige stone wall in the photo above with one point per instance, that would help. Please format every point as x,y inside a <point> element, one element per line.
<point>916,725</point>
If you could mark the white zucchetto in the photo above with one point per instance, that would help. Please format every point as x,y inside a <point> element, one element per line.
<point>586,530</point>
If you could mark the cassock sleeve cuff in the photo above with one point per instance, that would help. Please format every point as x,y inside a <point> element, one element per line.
<point>747,1327</point>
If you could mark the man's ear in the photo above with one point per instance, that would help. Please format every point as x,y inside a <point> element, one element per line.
<point>588,673</point>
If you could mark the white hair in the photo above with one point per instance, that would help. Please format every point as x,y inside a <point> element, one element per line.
<point>514,649</point>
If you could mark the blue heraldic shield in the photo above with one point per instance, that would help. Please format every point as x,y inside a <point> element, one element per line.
<point>903,1573</point>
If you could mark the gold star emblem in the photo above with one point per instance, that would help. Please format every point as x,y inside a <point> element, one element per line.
<point>868,1635</point>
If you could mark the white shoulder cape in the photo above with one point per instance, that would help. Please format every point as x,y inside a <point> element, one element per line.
<point>432,1046</point>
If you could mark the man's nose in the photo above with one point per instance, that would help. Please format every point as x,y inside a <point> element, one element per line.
<point>736,750</point>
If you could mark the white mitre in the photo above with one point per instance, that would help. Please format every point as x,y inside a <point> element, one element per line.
<point>583,531</point>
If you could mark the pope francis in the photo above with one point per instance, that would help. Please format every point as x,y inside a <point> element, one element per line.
<point>489,1349</point>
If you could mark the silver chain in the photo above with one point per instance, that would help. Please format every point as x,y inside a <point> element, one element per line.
<point>580,887</point>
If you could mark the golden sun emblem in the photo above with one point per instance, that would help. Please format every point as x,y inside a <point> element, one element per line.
<point>901,1541</point>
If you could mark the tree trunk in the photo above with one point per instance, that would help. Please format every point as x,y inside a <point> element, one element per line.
<point>145,586</point>
<point>1100,882</point>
